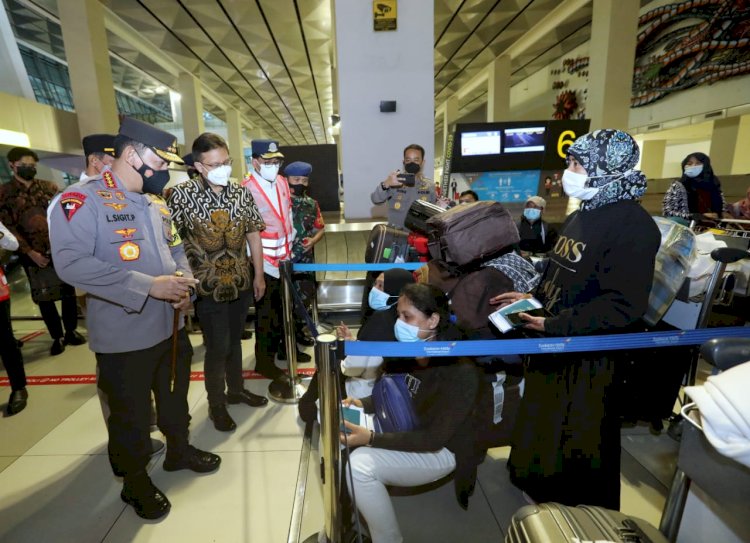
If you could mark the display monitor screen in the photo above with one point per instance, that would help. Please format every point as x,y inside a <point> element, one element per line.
<point>480,143</point>
<point>524,140</point>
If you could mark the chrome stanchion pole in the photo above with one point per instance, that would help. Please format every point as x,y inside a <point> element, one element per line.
<point>326,358</point>
<point>288,390</point>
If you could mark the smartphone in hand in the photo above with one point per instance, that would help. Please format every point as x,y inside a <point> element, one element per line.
<point>516,320</point>
<point>350,415</point>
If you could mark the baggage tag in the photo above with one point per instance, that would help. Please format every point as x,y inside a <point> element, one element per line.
<point>499,397</point>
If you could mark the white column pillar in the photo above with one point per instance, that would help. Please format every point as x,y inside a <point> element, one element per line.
<point>191,104</point>
<point>498,89</point>
<point>652,158</point>
<point>382,66</point>
<point>730,141</point>
<point>614,26</point>
<point>234,140</point>
<point>87,53</point>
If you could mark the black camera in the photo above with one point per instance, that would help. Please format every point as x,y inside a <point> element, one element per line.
<point>407,179</point>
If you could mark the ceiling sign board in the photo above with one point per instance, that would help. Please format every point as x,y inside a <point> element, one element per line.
<point>384,15</point>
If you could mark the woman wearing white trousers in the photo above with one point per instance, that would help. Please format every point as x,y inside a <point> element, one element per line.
<point>444,392</point>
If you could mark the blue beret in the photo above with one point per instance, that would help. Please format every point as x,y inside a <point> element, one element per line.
<point>301,169</point>
<point>266,148</point>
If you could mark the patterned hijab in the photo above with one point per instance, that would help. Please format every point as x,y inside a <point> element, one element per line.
<point>609,157</point>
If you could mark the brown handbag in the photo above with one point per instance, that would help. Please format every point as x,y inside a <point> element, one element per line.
<point>45,285</point>
<point>471,233</point>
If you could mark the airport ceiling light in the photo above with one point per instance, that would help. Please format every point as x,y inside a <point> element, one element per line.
<point>17,139</point>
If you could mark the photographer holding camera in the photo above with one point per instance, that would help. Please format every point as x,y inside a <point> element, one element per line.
<point>401,188</point>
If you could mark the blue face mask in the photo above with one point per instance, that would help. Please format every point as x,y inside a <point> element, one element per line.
<point>532,214</point>
<point>378,299</point>
<point>408,332</point>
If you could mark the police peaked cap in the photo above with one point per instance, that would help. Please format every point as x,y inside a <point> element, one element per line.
<point>98,143</point>
<point>266,149</point>
<point>160,142</point>
<point>298,169</point>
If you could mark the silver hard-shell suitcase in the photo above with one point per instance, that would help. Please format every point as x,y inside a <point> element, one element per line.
<point>555,523</point>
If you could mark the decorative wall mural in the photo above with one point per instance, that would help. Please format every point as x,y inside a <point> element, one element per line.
<point>685,44</point>
<point>567,104</point>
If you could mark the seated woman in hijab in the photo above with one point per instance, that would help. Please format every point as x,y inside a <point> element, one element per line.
<point>697,194</point>
<point>566,442</point>
<point>378,326</point>
<point>444,392</point>
<point>362,370</point>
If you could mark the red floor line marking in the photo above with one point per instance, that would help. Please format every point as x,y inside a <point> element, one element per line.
<point>32,335</point>
<point>86,378</point>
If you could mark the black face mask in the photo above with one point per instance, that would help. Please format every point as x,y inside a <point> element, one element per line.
<point>154,181</point>
<point>26,172</point>
<point>298,190</point>
<point>412,167</point>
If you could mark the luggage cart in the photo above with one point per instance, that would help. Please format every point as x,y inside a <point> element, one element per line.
<point>724,480</point>
<point>693,315</point>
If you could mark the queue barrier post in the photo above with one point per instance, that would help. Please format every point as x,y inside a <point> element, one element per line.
<point>291,389</point>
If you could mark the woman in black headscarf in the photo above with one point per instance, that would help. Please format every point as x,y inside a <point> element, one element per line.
<point>378,326</point>
<point>566,443</point>
<point>697,194</point>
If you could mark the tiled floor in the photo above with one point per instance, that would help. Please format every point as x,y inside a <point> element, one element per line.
<point>56,485</point>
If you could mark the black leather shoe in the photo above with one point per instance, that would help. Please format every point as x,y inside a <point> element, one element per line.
<point>58,346</point>
<point>270,373</point>
<point>193,459</point>
<point>247,397</point>
<point>247,334</point>
<point>156,446</point>
<point>74,338</point>
<point>305,341</point>
<point>222,421</point>
<point>17,401</point>
<point>301,356</point>
<point>148,501</point>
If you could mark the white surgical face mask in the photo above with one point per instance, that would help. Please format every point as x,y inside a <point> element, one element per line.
<point>406,332</point>
<point>693,171</point>
<point>532,214</point>
<point>378,299</point>
<point>574,185</point>
<point>269,171</point>
<point>219,176</point>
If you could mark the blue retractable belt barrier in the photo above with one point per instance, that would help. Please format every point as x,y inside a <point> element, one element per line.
<point>357,267</point>
<point>612,342</point>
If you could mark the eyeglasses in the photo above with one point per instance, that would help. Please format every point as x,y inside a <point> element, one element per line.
<point>271,162</point>
<point>227,162</point>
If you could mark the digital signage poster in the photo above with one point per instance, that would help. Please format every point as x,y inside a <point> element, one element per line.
<point>506,187</point>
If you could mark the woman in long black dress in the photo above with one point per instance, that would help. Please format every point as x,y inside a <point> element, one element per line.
<point>566,443</point>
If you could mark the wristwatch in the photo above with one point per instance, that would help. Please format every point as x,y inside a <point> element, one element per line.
<point>382,186</point>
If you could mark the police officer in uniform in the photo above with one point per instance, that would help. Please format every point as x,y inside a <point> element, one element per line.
<point>398,196</point>
<point>113,237</point>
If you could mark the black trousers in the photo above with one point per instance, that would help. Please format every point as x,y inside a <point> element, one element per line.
<point>9,351</point>
<point>128,379</point>
<point>69,313</point>
<point>223,324</point>
<point>49,310</point>
<point>268,326</point>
